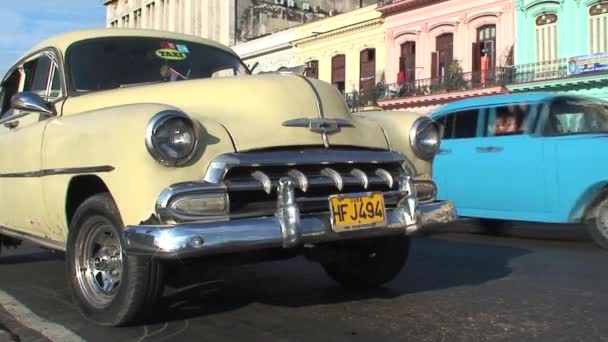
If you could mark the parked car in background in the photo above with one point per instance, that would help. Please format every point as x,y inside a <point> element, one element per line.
<point>131,148</point>
<point>527,157</point>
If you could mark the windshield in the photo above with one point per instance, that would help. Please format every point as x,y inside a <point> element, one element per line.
<point>573,116</point>
<point>109,63</point>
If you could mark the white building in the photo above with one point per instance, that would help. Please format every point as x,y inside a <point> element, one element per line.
<point>213,19</point>
<point>269,53</point>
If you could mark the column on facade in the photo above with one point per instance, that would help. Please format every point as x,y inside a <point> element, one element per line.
<point>188,16</point>
<point>460,47</point>
<point>424,47</point>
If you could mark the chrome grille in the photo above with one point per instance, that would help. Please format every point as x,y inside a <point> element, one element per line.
<point>252,189</point>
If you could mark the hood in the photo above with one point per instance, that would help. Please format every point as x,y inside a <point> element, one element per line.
<point>253,109</point>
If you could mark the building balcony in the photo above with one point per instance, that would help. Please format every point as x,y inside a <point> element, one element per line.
<point>554,76</point>
<point>434,91</point>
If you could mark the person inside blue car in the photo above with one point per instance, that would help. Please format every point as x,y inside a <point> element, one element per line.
<point>506,122</point>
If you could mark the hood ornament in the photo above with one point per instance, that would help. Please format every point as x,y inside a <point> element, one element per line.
<point>319,125</point>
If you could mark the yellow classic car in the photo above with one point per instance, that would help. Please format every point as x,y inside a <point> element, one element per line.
<point>128,149</point>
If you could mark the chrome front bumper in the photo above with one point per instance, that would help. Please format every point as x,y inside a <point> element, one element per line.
<point>191,240</point>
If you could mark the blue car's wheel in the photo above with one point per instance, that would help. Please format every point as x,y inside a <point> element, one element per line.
<point>597,223</point>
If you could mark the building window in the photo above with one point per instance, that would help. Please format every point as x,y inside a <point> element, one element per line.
<point>546,37</point>
<point>125,21</point>
<point>407,63</point>
<point>484,53</point>
<point>137,18</point>
<point>598,27</point>
<point>114,23</point>
<point>338,72</point>
<point>443,56</point>
<point>312,69</point>
<point>367,71</point>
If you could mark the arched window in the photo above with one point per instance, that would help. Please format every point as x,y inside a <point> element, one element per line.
<point>484,51</point>
<point>598,27</point>
<point>546,37</point>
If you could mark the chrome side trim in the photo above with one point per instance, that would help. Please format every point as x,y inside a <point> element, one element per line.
<point>317,96</point>
<point>64,171</point>
<point>223,163</point>
<point>44,242</point>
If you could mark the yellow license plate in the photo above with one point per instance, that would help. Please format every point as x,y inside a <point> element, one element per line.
<point>357,211</point>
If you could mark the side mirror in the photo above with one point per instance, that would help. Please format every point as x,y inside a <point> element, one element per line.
<point>31,102</point>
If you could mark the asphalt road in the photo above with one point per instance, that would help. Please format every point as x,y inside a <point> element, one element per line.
<point>541,283</point>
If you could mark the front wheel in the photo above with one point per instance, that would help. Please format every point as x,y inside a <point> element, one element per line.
<point>368,263</point>
<point>597,224</point>
<point>108,286</point>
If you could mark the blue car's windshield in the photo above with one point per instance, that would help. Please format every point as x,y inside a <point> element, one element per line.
<point>574,116</point>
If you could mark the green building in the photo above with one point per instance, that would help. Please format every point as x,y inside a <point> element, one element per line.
<point>561,45</point>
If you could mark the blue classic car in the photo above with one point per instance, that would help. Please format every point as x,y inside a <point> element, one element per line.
<point>537,157</point>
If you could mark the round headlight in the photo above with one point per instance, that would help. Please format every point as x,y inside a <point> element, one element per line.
<point>425,138</point>
<point>171,138</point>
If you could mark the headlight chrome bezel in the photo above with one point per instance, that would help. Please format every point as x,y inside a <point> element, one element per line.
<point>420,125</point>
<point>157,121</point>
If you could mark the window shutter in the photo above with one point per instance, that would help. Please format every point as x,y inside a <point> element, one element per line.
<point>434,60</point>
<point>476,57</point>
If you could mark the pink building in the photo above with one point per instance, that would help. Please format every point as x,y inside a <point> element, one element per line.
<point>438,51</point>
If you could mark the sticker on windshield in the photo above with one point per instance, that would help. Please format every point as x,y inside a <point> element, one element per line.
<point>171,54</point>
<point>182,48</point>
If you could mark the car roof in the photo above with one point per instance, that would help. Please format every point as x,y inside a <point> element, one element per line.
<point>497,100</point>
<point>64,40</point>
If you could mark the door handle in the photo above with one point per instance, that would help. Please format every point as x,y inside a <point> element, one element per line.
<point>11,124</point>
<point>489,149</point>
<point>444,151</point>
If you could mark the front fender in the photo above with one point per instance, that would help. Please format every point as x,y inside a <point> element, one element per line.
<point>115,139</point>
<point>397,126</point>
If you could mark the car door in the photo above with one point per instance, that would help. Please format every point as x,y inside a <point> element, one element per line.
<point>451,167</point>
<point>21,135</point>
<point>506,167</point>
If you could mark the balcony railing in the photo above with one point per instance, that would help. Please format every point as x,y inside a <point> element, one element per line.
<point>540,71</point>
<point>451,83</point>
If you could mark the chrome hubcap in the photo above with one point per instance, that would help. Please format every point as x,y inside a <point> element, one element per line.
<point>99,264</point>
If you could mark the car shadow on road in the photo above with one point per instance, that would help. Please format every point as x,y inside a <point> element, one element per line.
<point>434,264</point>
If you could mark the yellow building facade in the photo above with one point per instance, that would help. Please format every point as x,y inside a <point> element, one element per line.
<point>347,50</point>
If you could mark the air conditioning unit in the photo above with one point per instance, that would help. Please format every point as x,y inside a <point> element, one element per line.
<point>291,3</point>
<point>305,6</point>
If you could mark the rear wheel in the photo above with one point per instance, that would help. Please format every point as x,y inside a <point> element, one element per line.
<point>109,287</point>
<point>368,263</point>
<point>597,223</point>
